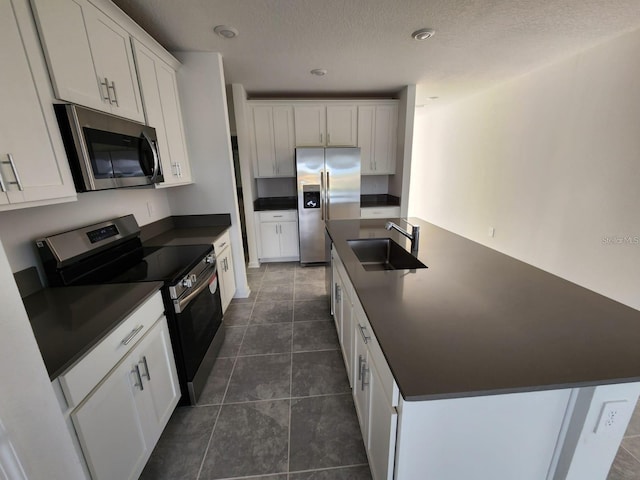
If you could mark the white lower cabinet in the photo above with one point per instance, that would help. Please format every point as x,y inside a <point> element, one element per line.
<point>380,212</point>
<point>375,394</point>
<point>110,429</point>
<point>120,421</point>
<point>278,235</point>
<point>226,272</point>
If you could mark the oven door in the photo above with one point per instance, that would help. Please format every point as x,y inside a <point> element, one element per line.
<point>198,316</point>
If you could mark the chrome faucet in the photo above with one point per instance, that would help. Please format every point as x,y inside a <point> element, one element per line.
<point>414,236</point>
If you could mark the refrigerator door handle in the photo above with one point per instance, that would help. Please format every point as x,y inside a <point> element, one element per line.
<point>322,192</point>
<point>328,205</point>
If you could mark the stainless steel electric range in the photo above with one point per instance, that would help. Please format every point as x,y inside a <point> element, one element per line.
<point>111,252</point>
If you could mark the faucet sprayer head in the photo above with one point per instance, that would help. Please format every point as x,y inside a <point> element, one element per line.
<point>389,226</point>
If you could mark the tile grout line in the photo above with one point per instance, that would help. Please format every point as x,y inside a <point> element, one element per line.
<point>291,380</point>
<point>215,423</point>
<point>629,452</point>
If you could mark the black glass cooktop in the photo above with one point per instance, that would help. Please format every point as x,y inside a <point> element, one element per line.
<point>164,264</point>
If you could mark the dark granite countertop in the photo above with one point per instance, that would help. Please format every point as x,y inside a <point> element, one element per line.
<point>69,321</point>
<point>478,322</point>
<point>186,230</point>
<point>275,203</point>
<point>379,200</point>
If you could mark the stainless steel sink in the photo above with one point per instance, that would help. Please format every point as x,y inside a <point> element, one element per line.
<point>377,254</point>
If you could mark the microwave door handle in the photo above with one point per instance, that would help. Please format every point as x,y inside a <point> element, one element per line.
<point>154,152</point>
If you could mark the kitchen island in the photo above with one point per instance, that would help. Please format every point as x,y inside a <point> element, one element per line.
<point>502,370</point>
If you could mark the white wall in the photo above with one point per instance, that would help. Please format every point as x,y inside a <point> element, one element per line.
<point>20,228</point>
<point>206,119</point>
<point>29,411</point>
<point>551,160</point>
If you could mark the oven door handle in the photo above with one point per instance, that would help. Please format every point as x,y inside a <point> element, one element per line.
<point>180,303</point>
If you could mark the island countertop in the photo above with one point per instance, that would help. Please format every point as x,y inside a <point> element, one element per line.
<point>478,322</point>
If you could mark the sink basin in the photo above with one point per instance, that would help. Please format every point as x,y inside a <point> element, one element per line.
<point>377,254</point>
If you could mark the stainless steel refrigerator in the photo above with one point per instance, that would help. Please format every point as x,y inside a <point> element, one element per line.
<point>328,189</point>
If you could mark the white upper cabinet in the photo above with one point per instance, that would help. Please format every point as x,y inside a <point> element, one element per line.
<point>326,125</point>
<point>273,141</point>
<point>342,126</point>
<point>162,111</point>
<point>89,56</point>
<point>377,138</point>
<point>33,164</point>
<point>310,125</point>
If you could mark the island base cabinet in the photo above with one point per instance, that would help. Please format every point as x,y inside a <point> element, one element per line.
<point>383,422</point>
<point>510,436</point>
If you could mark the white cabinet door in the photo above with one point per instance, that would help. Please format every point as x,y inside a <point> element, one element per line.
<point>347,334</point>
<point>383,422</point>
<point>161,393</point>
<point>377,138</point>
<point>284,141</point>
<point>226,277</point>
<point>109,427</point>
<point>173,123</point>
<point>338,295</point>
<point>162,111</point>
<point>270,240</point>
<point>113,59</point>
<point>263,137</point>
<point>66,45</point>
<point>90,57</point>
<point>366,129</point>
<point>289,240</point>
<point>33,162</point>
<point>310,125</point>
<point>385,139</point>
<point>342,126</point>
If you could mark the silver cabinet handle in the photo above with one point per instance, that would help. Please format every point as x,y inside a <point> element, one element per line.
<point>277,216</point>
<point>365,337</point>
<point>365,372</point>
<point>146,368</point>
<point>179,168</point>
<point>15,174</point>
<point>136,370</point>
<point>320,137</point>
<point>328,138</point>
<point>105,84</point>
<point>115,95</point>
<point>273,168</point>
<point>338,293</point>
<point>360,365</point>
<point>3,187</point>
<point>222,245</point>
<point>133,333</point>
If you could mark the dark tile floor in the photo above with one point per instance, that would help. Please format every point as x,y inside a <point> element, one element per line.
<point>277,405</point>
<point>626,465</point>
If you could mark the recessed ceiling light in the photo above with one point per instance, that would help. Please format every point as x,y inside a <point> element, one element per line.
<point>319,72</point>
<point>225,31</point>
<point>423,33</point>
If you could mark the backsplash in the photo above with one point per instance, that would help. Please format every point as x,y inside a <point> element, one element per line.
<point>276,187</point>
<point>20,228</point>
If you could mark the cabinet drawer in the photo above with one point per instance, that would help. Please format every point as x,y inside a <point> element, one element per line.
<point>81,378</point>
<point>380,212</point>
<point>279,216</point>
<point>222,242</point>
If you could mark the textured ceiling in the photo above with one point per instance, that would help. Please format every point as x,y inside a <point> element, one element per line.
<point>366,45</point>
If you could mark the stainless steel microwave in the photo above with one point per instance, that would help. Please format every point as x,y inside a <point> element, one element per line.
<point>108,152</point>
